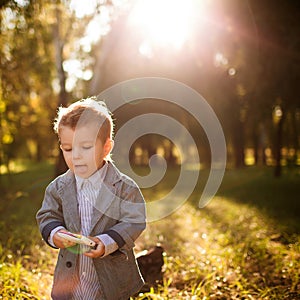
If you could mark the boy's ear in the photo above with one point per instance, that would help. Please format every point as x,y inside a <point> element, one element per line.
<point>108,146</point>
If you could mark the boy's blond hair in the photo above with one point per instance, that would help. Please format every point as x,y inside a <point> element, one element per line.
<point>83,112</point>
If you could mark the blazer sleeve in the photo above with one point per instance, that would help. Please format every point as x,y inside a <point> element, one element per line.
<point>132,216</point>
<point>50,214</point>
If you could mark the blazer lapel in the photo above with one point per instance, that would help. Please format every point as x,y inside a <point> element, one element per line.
<point>107,203</point>
<point>70,204</point>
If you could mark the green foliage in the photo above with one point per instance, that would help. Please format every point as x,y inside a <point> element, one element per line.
<point>231,249</point>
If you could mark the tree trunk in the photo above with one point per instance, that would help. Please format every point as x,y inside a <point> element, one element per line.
<point>238,143</point>
<point>61,166</point>
<point>255,139</point>
<point>278,146</point>
<point>295,138</point>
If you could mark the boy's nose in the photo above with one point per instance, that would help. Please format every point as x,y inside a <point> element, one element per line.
<point>76,153</point>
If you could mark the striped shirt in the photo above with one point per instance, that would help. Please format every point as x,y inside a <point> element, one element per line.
<point>87,192</point>
<point>89,284</point>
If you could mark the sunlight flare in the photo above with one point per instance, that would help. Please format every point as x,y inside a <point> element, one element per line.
<point>164,23</point>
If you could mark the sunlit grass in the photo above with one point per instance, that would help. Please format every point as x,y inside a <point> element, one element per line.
<point>224,252</point>
<point>22,276</point>
<point>238,247</point>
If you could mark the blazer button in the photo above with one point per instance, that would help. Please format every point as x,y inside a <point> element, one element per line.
<point>69,264</point>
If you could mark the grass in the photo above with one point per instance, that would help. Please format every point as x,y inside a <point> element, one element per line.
<point>244,244</point>
<point>26,264</point>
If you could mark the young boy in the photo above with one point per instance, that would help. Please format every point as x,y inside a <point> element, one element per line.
<point>93,198</point>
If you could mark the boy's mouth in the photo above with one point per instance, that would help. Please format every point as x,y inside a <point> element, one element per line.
<point>80,168</point>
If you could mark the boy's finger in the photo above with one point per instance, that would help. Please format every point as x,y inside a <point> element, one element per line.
<point>90,253</point>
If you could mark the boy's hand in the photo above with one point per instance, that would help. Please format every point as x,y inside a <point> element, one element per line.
<point>99,251</point>
<point>60,242</point>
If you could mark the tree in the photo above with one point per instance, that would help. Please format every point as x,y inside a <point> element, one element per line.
<point>25,80</point>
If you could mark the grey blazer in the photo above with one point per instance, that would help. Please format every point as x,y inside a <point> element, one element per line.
<point>119,212</point>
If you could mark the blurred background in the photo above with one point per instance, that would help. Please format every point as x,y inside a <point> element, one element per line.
<point>243,57</point>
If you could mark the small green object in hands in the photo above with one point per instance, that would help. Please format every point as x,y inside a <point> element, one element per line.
<point>77,238</point>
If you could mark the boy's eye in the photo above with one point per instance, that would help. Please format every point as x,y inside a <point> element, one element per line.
<point>66,148</point>
<point>87,147</point>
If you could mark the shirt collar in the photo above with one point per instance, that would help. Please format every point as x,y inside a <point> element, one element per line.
<point>95,179</point>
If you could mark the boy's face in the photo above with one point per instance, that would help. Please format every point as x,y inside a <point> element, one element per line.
<point>83,151</point>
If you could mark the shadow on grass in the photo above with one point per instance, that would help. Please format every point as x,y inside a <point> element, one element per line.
<point>276,198</point>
